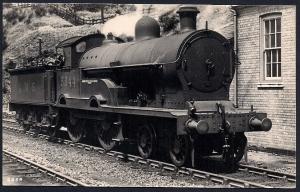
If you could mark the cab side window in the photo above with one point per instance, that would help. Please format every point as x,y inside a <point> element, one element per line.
<point>81,47</point>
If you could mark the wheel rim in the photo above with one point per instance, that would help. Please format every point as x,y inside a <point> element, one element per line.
<point>239,148</point>
<point>26,127</point>
<point>75,132</point>
<point>38,130</point>
<point>55,126</point>
<point>105,133</point>
<point>146,141</point>
<point>236,152</point>
<point>179,150</point>
<point>53,130</point>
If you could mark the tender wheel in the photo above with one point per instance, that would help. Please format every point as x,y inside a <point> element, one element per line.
<point>52,131</point>
<point>37,130</point>
<point>75,130</point>
<point>105,132</point>
<point>25,126</point>
<point>38,122</point>
<point>146,141</point>
<point>179,150</point>
<point>54,128</point>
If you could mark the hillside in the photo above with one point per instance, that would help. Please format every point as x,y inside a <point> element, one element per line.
<point>22,36</point>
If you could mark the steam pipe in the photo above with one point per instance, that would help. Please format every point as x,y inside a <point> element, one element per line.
<point>235,49</point>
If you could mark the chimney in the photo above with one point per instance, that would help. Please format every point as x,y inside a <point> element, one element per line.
<point>188,15</point>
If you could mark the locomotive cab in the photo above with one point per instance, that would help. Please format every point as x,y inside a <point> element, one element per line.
<point>74,47</point>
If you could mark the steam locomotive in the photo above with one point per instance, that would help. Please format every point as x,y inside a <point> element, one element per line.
<point>167,94</point>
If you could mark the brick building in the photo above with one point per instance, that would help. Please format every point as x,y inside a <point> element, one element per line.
<point>266,45</point>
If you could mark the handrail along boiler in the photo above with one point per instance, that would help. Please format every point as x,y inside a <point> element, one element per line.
<point>167,94</point>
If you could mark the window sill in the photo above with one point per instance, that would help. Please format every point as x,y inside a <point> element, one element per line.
<point>270,85</point>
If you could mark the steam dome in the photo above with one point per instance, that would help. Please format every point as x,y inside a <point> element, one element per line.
<point>146,28</point>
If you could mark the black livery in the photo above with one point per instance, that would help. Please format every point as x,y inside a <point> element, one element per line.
<point>163,93</point>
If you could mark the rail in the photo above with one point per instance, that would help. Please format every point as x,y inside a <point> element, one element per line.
<point>208,176</point>
<point>268,172</point>
<point>54,174</point>
<point>215,178</point>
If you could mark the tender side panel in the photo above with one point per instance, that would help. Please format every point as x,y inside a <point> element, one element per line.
<point>29,88</point>
<point>33,88</point>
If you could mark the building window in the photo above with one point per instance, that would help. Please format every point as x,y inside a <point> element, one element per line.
<point>272,47</point>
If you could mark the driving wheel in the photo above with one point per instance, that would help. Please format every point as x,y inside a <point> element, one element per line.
<point>239,147</point>
<point>179,150</point>
<point>105,132</point>
<point>75,130</point>
<point>146,141</point>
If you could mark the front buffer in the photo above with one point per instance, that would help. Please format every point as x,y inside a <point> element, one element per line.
<point>217,128</point>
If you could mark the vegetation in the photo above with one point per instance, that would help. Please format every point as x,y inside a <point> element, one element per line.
<point>28,20</point>
<point>116,8</point>
<point>168,22</point>
<point>6,81</point>
<point>15,15</point>
<point>88,7</point>
<point>4,42</point>
<point>11,16</point>
<point>40,11</point>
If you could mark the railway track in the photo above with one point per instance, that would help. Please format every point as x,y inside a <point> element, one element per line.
<point>245,177</point>
<point>18,170</point>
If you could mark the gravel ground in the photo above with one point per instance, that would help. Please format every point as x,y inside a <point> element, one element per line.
<point>280,163</point>
<point>100,170</point>
<point>90,167</point>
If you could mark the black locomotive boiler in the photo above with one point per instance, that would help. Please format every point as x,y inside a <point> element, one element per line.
<point>167,94</point>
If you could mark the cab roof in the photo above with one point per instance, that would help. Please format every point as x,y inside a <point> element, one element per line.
<point>74,40</point>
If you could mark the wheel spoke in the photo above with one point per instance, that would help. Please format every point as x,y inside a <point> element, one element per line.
<point>76,131</point>
<point>146,141</point>
<point>240,144</point>
<point>179,150</point>
<point>105,134</point>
